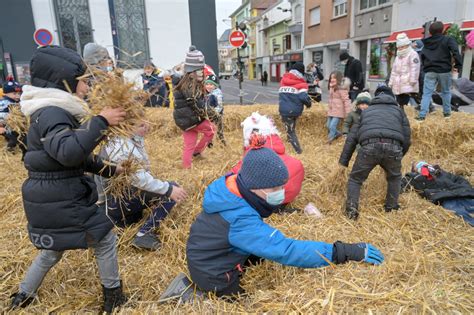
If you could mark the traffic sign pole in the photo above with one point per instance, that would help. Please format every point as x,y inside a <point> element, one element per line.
<point>239,63</point>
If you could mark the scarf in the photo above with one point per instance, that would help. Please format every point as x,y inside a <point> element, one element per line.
<point>405,52</point>
<point>263,208</point>
<point>34,98</point>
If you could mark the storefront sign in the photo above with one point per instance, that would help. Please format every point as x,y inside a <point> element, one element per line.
<point>287,57</point>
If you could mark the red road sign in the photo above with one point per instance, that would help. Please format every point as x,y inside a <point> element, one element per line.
<point>43,37</point>
<point>237,38</point>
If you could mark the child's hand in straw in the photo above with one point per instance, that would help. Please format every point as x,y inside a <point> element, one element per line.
<point>178,194</point>
<point>114,116</point>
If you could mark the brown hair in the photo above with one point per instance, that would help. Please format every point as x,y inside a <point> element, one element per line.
<point>309,66</point>
<point>339,78</point>
<point>436,28</point>
<point>190,87</point>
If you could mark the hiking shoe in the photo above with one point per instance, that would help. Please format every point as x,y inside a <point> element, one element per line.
<point>181,288</point>
<point>113,298</point>
<point>390,208</point>
<point>419,118</point>
<point>352,212</point>
<point>447,115</point>
<point>20,299</point>
<point>149,241</point>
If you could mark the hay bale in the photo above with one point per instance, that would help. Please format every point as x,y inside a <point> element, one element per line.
<point>429,263</point>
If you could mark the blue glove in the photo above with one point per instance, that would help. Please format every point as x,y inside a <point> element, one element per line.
<point>343,252</point>
<point>372,254</point>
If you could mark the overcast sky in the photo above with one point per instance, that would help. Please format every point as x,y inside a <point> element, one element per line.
<point>223,9</point>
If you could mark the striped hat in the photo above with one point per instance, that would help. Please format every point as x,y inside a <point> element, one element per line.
<point>194,60</point>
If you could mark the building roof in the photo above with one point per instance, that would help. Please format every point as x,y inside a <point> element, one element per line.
<point>262,4</point>
<point>225,36</point>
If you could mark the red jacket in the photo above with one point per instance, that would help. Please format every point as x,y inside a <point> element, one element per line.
<point>295,167</point>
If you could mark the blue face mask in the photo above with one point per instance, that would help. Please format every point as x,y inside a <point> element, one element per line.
<point>275,198</point>
<point>109,68</point>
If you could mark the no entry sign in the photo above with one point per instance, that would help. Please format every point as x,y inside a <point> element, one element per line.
<point>237,38</point>
<point>43,37</point>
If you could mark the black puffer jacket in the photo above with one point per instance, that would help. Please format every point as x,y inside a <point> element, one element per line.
<point>353,71</point>
<point>383,119</point>
<point>188,112</point>
<point>442,187</point>
<point>59,199</point>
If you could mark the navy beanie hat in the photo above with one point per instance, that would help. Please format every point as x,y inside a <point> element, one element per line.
<point>263,168</point>
<point>383,89</point>
<point>299,66</point>
<point>11,86</point>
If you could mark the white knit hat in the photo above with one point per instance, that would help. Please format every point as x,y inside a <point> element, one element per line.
<point>403,40</point>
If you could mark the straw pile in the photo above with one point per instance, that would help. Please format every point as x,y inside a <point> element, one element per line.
<point>16,121</point>
<point>429,265</point>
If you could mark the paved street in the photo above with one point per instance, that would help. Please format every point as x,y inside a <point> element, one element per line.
<point>255,93</point>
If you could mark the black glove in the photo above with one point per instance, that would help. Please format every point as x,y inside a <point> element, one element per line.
<point>343,252</point>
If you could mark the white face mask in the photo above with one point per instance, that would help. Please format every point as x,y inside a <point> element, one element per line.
<point>344,62</point>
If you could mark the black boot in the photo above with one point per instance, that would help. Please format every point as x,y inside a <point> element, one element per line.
<point>113,298</point>
<point>391,208</point>
<point>352,212</point>
<point>20,299</point>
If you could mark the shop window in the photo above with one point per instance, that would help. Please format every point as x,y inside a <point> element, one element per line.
<point>379,59</point>
<point>340,8</point>
<point>367,4</point>
<point>315,16</point>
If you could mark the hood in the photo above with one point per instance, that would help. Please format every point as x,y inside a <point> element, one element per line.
<point>383,99</point>
<point>292,80</point>
<point>263,124</point>
<point>35,98</point>
<point>274,143</point>
<point>433,42</point>
<point>218,198</point>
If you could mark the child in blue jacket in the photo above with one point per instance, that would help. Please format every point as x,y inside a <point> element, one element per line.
<point>230,233</point>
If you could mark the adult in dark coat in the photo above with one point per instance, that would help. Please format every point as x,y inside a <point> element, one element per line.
<point>58,197</point>
<point>384,136</point>
<point>353,71</point>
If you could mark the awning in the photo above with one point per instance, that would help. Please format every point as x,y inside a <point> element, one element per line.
<point>413,34</point>
<point>467,26</point>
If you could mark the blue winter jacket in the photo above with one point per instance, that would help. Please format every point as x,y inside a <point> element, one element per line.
<point>293,94</point>
<point>229,230</point>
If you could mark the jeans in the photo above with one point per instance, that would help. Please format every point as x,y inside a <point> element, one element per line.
<point>332,124</point>
<point>431,79</point>
<point>105,254</point>
<point>290,125</point>
<point>190,139</point>
<point>353,94</point>
<point>127,212</point>
<point>463,207</point>
<point>389,157</point>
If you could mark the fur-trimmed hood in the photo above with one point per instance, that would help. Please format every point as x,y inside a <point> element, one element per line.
<point>34,98</point>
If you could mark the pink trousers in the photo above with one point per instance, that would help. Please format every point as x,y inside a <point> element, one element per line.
<point>190,139</point>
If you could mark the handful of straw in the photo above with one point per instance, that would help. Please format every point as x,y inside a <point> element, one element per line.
<point>111,90</point>
<point>120,186</point>
<point>16,121</point>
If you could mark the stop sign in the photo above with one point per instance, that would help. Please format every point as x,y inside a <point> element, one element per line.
<point>237,38</point>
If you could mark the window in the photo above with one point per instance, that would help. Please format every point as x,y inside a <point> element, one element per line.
<point>297,42</point>
<point>315,16</point>
<point>367,4</point>
<point>131,33</point>
<point>340,8</point>
<point>74,23</point>
<point>378,58</point>
<point>298,13</point>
